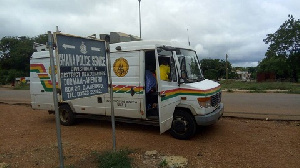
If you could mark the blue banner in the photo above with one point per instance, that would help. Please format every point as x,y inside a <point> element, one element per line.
<point>82,65</point>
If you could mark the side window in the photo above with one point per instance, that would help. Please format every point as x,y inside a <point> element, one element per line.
<point>167,69</point>
<point>173,70</point>
<point>164,68</point>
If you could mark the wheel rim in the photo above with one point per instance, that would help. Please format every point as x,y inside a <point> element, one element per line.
<point>64,115</point>
<point>180,125</point>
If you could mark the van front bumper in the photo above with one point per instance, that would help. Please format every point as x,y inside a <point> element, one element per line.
<point>210,118</point>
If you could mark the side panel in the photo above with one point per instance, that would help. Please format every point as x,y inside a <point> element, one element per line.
<point>167,104</point>
<point>40,82</point>
<point>89,105</point>
<point>127,81</point>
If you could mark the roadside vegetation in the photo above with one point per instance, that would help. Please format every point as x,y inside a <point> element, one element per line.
<point>117,159</point>
<point>22,86</point>
<point>260,87</point>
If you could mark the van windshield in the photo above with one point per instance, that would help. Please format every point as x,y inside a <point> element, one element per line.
<point>189,66</point>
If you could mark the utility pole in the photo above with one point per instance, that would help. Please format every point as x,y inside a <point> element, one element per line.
<point>188,37</point>
<point>55,99</point>
<point>140,19</point>
<point>226,67</point>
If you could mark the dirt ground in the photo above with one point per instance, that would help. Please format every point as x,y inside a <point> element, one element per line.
<point>28,139</point>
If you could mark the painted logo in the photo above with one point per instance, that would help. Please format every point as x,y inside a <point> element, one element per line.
<point>50,70</point>
<point>121,67</point>
<point>43,76</point>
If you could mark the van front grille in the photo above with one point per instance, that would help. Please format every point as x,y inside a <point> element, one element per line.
<point>216,99</point>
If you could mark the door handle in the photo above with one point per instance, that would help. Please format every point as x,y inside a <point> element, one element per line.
<point>132,91</point>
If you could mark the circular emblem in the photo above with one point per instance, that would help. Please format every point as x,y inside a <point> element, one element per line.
<point>121,67</point>
<point>50,70</point>
<point>83,48</point>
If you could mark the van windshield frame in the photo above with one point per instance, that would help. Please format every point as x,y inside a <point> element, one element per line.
<point>189,66</point>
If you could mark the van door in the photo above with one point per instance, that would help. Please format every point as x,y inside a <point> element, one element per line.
<point>167,89</point>
<point>127,89</point>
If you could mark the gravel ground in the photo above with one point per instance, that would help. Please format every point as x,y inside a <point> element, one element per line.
<point>28,139</point>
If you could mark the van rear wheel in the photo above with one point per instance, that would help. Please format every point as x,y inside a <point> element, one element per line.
<point>183,125</point>
<point>66,115</point>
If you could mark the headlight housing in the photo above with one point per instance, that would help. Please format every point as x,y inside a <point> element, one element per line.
<point>204,101</point>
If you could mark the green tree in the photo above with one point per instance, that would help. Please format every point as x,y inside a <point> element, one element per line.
<point>253,72</point>
<point>41,39</point>
<point>285,42</point>
<point>215,68</point>
<point>277,64</point>
<point>15,57</point>
<point>15,53</point>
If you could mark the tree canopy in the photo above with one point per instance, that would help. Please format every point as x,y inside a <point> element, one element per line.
<point>215,69</point>
<point>283,54</point>
<point>15,53</point>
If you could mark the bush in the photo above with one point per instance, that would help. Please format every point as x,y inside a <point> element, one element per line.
<point>117,159</point>
<point>8,76</point>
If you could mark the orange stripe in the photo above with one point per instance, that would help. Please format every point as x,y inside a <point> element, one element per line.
<point>39,67</point>
<point>42,75</point>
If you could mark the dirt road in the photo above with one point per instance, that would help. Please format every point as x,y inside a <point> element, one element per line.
<point>28,139</point>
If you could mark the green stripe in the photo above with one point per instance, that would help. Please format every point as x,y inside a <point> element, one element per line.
<point>35,70</point>
<point>189,94</point>
<point>44,77</point>
<point>44,86</point>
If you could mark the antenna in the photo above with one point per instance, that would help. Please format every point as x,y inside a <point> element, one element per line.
<point>57,31</point>
<point>188,37</point>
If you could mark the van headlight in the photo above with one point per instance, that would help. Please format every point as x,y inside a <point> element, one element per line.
<point>204,101</point>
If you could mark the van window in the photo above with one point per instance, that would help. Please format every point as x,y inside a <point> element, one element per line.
<point>173,70</point>
<point>167,65</point>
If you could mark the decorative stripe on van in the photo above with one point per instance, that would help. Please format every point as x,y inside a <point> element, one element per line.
<point>191,92</point>
<point>127,89</point>
<point>47,85</point>
<point>38,68</point>
<point>43,76</point>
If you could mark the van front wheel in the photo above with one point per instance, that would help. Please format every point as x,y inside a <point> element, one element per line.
<point>66,115</point>
<point>183,125</point>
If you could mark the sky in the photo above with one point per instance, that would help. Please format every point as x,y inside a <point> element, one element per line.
<point>213,27</point>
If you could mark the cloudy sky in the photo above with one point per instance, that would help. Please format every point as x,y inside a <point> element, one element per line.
<point>215,27</point>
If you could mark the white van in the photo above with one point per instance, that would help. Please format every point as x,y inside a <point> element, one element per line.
<point>176,97</point>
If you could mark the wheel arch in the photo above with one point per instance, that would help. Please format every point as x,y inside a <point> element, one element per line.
<point>186,108</point>
<point>69,104</point>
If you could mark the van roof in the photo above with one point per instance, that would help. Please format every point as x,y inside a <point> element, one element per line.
<point>41,54</point>
<point>140,45</point>
<point>126,46</point>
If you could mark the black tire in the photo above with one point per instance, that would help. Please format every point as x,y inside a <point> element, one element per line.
<point>183,126</point>
<point>66,115</point>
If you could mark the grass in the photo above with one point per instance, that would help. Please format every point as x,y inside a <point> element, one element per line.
<point>163,163</point>
<point>22,86</point>
<point>261,87</point>
<point>117,159</point>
